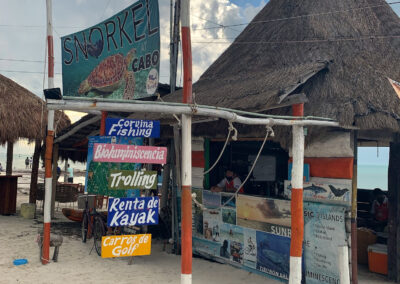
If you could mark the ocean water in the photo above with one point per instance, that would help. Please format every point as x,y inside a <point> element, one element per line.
<point>19,162</point>
<point>372,176</point>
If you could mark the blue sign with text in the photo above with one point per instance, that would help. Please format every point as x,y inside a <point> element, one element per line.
<point>132,211</point>
<point>132,128</point>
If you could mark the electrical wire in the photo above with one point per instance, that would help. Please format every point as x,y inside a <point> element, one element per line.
<point>300,16</point>
<point>367,37</point>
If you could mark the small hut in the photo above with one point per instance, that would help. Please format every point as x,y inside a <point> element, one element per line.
<point>334,56</point>
<point>24,115</point>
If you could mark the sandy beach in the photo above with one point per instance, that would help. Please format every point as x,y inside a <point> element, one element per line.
<point>77,265</point>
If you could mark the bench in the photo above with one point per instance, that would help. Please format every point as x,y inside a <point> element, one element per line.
<point>55,241</point>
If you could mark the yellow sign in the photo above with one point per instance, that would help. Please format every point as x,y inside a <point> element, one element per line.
<point>125,245</point>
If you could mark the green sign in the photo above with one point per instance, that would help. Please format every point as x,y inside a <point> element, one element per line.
<point>118,58</point>
<point>119,179</point>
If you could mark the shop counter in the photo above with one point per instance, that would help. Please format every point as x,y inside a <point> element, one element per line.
<point>8,194</point>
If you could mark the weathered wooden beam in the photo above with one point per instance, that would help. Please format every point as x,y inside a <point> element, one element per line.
<point>394,212</point>
<point>375,135</point>
<point>77,128</point>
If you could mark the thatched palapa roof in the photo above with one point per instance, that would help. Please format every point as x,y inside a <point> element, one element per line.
<point>21,113</point>
<point>339,53</point>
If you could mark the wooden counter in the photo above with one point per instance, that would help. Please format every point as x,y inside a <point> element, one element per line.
<point>8,194</point>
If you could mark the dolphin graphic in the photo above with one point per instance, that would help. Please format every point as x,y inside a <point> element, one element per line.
<point>315,189</point>
<point>337,191</point>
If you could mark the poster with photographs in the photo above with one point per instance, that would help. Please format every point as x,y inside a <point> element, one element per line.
<point>273,254</point>
<point>250,248</point>
<point>211,225</point>
<point>211,200</point>
<point>229,216</point>
<point>228,200</point>
<point>207,247</point>
<point>260,213</point>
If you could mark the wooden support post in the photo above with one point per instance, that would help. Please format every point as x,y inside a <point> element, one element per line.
<point>394,212</point>
<point>10,152</point>
<point>165,183</point>
<point>354,262</point>
<point>54,181</point>
<point>66,170</point>
<point>35,171</point>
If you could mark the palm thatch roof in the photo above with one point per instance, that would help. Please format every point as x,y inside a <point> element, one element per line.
<point>21,113</point>
<point>339,53</point>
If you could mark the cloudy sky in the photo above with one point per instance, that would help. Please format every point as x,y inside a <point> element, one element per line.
<point>23,33</point>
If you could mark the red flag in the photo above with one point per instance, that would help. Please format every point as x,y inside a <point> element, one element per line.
<point>396,86</point>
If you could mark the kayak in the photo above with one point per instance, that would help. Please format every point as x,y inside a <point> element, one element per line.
<point>73,214</point>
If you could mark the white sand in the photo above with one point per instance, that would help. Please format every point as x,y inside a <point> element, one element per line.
<point>75,265</point>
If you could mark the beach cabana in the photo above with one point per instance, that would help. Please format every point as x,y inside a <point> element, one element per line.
<point>336,58</point>
<point>24,115</point>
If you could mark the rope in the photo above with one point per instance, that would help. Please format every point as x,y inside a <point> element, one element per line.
<point>270,131</point>
<point>234,137</point>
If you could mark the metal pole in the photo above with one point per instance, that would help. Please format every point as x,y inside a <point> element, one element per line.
<point>296,242</point>
<point>186,260</point>
<point>174,108</point>
<point>174,45</point>
<point>49,141</point>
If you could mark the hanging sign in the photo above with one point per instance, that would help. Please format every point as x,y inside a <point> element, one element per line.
<point>125,245</point>
<point>116,153</point>
<point>119,179</point>
<point>116,59</point>
<point>133,128</point>
<point>132,211</point>
<point>97,173</point>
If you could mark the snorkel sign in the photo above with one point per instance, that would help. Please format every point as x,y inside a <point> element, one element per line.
<point>132,128</point>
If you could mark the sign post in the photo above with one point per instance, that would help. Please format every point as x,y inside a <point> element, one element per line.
<point>49,142</point>
<point>296,243</point>
<point>186,260</point>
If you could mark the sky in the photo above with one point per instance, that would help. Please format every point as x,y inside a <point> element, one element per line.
<point>23,34</point>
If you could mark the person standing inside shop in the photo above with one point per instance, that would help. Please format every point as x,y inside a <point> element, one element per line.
<point>230,183</point>
<point>70,174</point>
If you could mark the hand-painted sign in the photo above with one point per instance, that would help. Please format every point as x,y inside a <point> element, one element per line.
<point>97,173</point>
<point>116,153</point>
<point>324,232</point>
<point>133,128</point>
<point>118,58</point>
<point>132,211</point>
<point>335,191</point>
<point>125,245</point>
<point>119,179</point>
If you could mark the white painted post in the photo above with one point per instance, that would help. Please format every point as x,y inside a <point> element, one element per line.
<point>49,141</point>
<point>186,260</point>
<point>297,226</point>
<point>343,264</point>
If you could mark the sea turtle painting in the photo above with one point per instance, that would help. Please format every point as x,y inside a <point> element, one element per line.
<point>111,74</point>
